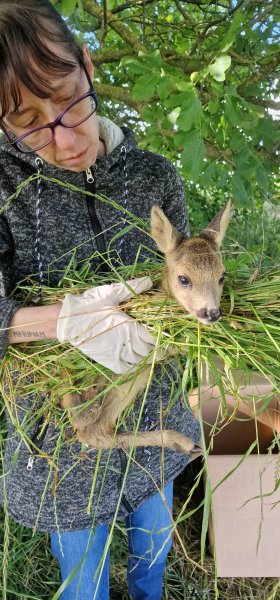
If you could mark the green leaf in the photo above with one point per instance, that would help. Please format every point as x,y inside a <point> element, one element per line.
<point>178,99</point>
<point>251,90</point>
<point>68,7</point>
<point>232,32</point>
<point>237,142</point>
<point>134,65</point>
<point>207,179</point>
<point>193,155</point>
<point>232,111</point>
<point>153,59</point>
<point>191,114</point>
<point>144,87</point>
<point>219,67</point>
<point>179,139</point>
<point>164,87</point>
<point>239,192</point>
<point>267,133</point>
<point>261,176</point>
<point>173,116</point>
<point>213,107</point>
<point>256,109</point>
<point>185,86</point>
<point>81,9</point>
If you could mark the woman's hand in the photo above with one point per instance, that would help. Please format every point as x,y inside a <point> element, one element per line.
<point>94,323</point>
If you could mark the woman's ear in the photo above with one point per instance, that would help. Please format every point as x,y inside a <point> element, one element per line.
<point>87,61</point>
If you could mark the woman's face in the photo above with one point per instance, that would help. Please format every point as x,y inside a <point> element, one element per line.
<point>75,149</point>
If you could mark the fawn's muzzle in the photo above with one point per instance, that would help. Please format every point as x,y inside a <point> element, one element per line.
<point>209,315</point>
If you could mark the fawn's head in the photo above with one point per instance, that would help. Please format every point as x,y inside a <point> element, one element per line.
<point>194,268</point>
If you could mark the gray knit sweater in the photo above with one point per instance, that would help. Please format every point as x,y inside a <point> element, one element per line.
<point>67,220</point>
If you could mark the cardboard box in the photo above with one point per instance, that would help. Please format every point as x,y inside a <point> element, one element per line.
<point>245,507</point>
<point>246,527</point>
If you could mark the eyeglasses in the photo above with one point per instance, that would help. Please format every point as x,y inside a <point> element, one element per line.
<point>39,137</point>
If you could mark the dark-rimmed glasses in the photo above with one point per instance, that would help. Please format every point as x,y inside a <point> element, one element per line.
<point>39,137</point>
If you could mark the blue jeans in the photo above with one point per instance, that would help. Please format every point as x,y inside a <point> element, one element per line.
<point>145,540</point>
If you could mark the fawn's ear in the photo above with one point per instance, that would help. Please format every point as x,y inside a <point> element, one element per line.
<point>217,227</point>
<point>166,237</point>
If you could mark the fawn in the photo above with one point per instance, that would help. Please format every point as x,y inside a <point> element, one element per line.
<point>194,276</point>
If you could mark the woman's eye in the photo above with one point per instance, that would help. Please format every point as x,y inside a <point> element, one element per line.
<point>184,281</point>
<point>222,278</point>
<point>30,125</point>
<point>68,100</point>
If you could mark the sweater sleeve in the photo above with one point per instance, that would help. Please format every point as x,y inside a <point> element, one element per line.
<point>8,306</point>
<point>174,203</point>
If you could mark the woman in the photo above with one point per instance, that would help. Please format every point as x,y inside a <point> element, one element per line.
<point>48,117</point>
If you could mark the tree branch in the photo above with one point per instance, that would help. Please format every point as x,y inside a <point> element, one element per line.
<point>96,11</point>
<point>204,2</point>
<point>259,102</point>
<point>113,92</point>
<point>182,11</point>
<point>131,4</point>
<point>100,58</point>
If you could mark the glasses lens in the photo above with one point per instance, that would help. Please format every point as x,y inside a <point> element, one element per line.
<point>78,113</point>
<point>36,140</point>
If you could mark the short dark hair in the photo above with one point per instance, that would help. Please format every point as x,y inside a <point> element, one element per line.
<point>26,27</point>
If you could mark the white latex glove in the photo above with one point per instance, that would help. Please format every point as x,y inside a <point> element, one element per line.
<point>94,323</point>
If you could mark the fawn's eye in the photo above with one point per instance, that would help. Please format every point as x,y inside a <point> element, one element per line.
<point>184,281</point>
<point>222,279</point>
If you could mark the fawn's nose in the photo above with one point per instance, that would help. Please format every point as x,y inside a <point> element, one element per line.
<point>210,315</point>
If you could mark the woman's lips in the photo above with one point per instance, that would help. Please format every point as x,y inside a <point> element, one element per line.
<point>74,160</point>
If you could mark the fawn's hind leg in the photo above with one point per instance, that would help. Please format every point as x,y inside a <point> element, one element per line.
<point>95,426</point>
<point>97,436</point>
<point>167,438</point>
<point>100,433</point>
<point>74,400</point>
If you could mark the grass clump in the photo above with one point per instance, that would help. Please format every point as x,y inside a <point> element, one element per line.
<point>247,337</point>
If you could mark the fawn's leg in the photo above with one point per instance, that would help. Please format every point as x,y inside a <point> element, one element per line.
<point>100,433</point>
<point>87,414</point>
<point>95,424</point>
<point>97,437</point>
<point>167,438</point>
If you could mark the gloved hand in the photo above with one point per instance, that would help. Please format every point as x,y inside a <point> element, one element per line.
<point>94,323</point>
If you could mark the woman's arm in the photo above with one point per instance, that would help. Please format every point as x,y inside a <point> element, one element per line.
<point>17,323</point>
<point>34,323</point>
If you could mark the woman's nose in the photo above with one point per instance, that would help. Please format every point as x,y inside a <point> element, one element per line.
<point>64,137</point>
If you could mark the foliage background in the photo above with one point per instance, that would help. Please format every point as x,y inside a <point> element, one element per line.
<point>198,81</point>
<point>215,62</point>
